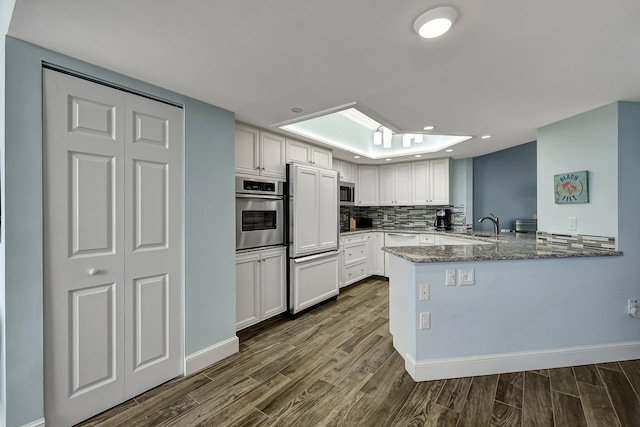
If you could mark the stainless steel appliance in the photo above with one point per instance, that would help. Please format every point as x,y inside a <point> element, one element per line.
<point>525,225</point>
<point>313,236</point>
<point>259,213</point>
<point>347,194</point>
<point>443,219</point>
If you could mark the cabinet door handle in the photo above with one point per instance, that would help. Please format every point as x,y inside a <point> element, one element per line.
<point>94,272</point>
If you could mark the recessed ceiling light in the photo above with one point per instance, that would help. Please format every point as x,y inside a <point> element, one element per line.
<point>296,110</point>
<point>485,136</point>
<point>418,155</point>
<point>435,22</point>
<point>449,150</point>
<point>388,160</point>
<point>356,157</point>
<point>429,127</point>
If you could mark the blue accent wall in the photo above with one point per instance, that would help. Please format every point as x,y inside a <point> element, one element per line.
<point>505,183</point>
<point>209,215</point>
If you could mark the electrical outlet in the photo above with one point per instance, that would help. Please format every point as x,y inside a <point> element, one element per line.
<point>572,225</point>
<point>450,279</point>
<point>425,292</point>
<point>467,277</point>
<point>425,320</point>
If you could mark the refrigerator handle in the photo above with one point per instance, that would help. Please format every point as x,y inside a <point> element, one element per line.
<point>315,257</point>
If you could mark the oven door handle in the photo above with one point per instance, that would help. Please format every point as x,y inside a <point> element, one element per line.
<point>258,197</point>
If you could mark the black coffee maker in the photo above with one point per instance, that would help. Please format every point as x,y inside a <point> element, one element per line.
<point>443,219</point>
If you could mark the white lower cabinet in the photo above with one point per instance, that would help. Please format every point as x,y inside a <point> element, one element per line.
<point>399,239</point>
<point>260,286</point>
<point>353,273</point>
<point>448,240</point>
<point>314,279</point>
<point>427,239</point>
<point>377,256</point>
<point>356,251</point>
<point>362,256</point>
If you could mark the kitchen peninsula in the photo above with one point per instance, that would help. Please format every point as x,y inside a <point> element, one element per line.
<point>505,304</point>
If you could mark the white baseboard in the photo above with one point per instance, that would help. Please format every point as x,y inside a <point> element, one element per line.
<point>37,423</point>
<point>210,355</point>
<point>457,367</point>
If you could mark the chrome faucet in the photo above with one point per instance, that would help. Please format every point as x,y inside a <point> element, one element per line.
<point>496,222</point>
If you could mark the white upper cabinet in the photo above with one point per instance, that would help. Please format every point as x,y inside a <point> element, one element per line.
<point>395,184</point>
<point>247,150</point>
<point>301,152</point>
<point>259,153</point>
<point>403,184</point>
<point>321,157</point>
<point>272,155</point>
<point>440,182</point>
<point>431,183</point>
<point>386,185</point>
<point>346,169</point>
<point>367,186</point>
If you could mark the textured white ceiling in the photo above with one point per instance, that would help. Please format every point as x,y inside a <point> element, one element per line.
<point>506,68</point>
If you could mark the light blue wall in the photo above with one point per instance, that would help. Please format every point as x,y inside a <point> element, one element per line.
<point>588,141</point>
<point>504,183</point>
<point>547,304</point>
<point>628,209</point>
<point>6,11</point>
<point>528,305</point>
<point>209,213</point>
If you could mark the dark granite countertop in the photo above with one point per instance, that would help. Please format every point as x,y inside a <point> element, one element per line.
<point>506,247</point>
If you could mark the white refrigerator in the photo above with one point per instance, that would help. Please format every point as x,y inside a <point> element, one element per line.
<point>313,235</point>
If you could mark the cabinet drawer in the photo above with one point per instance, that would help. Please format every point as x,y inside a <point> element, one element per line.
<point>358,238</point>
<point>355,272</point>
<point>427,239</point>
<point>355,253</point>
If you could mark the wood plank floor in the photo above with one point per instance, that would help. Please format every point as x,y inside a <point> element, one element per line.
<point>336,366</point>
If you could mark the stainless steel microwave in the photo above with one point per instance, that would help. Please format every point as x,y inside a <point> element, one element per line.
<point>347,194</point>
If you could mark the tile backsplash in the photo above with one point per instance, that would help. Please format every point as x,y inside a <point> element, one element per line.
<point>572,241</point>
<point>399,217</point>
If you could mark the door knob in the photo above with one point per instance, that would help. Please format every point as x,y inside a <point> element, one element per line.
<point>93,271</point>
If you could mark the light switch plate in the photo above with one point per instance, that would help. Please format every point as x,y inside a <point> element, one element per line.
<point>450,278</point>
<point>467,277</point>
<point>425,292</point>
<point>572,224</point>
